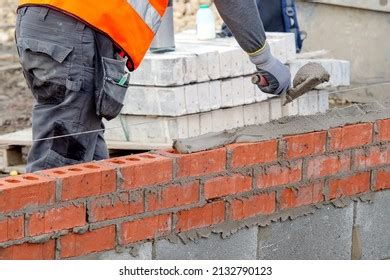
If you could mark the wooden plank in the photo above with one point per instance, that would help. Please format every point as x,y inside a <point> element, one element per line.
<point>21,169</point>
<point>11,156</point>
<point>6,26</point>
<point>6,56</point>
<point>18,138</point>
<point>23,138</point>
<point>10,67</point>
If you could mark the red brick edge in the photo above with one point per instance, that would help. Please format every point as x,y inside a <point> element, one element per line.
<point>82,209</point>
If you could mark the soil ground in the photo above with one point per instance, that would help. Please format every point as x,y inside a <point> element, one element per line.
<point>15,99</point>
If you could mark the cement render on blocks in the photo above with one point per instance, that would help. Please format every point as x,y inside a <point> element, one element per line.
<point>326,234</point>
<point>241,245</point>
<point>374,222</point>
<point>141,252</point>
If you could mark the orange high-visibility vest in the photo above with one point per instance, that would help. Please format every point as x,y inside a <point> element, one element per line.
<point>130,24</point>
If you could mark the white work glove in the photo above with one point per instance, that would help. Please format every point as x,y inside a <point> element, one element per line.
<point>276,77</point>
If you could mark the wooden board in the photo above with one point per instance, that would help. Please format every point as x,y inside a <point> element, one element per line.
<point>10,67</point>
<point>24,138</point>
<point>11,149</point>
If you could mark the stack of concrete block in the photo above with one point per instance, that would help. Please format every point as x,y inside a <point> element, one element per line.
<point>205,86</point>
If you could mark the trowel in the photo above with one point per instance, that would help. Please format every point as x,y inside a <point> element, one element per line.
<point>307,78</point>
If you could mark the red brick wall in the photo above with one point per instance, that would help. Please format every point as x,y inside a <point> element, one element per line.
<point>78,210</point>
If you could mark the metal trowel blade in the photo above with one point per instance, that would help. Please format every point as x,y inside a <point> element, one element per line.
<point>307,78</point>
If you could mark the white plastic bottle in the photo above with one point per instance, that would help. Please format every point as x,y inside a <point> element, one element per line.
<point>205,23</point>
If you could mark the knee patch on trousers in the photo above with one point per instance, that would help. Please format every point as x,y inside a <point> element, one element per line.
<point>69,147</point>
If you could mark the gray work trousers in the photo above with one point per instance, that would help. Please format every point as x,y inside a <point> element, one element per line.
<point>61,64</point>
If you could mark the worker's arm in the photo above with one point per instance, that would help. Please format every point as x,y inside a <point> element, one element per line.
<point>243,19</point>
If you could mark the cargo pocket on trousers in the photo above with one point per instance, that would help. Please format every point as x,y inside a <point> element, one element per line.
<point>109,98</point>
<point>46,66</point>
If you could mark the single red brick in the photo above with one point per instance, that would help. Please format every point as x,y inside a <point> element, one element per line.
<point>303,145</point>
<point>57,219</point>
<point>210,214</point>
<point>383,180</point>
<point>350,136</point>
<point>19,192</point>
<point>26,251</point>
<point>247,154</point>
<point>328,165</point>
<point>306,195</point>
<point>383,130</point>
<point>106,208</point>
<point>350,185</point>
<point>375,156</point>
<point>143,170</point>
<point>174,196</point>
<point>74,245</point>
<point>263,204</point>
<point>84,180</point>
<point>277,175</point>
<point>147,228</point>
<point>201,163</point>
<point>11,229</point>
<point>222,186</point>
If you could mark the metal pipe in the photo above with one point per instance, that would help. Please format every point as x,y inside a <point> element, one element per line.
<point>164,40</point>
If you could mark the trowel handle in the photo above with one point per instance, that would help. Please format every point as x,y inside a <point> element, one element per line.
<point>259,80</point>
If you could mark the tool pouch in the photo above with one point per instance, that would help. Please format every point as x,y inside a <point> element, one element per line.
<point>109,98</point>
<point>112,79</point>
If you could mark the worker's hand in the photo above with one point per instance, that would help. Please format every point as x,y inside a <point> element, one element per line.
<point>276,77</point>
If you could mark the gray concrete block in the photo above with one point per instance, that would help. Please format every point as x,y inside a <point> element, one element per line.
<point>204,97</point>
<point>240,246</point>
<point>287,41</point>
<point>249,91</point>
<point>374,222</point>
<point>261,96</point>
<point>275,107</point>
<point>226,93</point>
<point>191,97</point>
<point>163,130</point>
<point>144,252</point>
<point>291,109</point>
<point>323,101</point>
<point>238,91</point>
<point>215,95</point>
<point>202,61</point>
<point>326,234</point>
<point>193,125</point>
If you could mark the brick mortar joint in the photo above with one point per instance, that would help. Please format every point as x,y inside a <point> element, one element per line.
<point>56,235</point>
